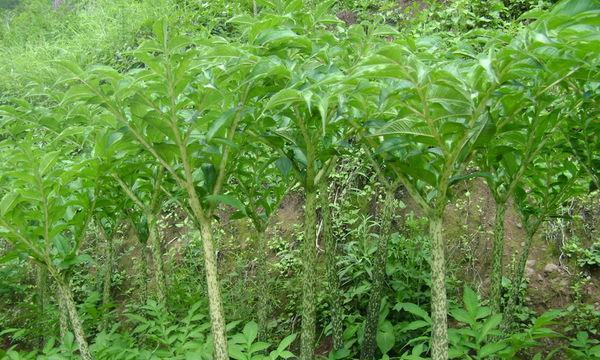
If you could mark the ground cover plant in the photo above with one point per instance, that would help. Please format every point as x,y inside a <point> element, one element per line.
<point>281,179</point>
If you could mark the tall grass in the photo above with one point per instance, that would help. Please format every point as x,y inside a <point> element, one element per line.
<point>33,34</point>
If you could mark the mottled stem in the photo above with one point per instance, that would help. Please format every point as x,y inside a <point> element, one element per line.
<point>439,303</point>
<point>214,294</point>
<point>333,281</point>
<point>369,345</point>
<point>497,254</point>
<point>76,325</point>
<point>264,296</point>
<point>63,315</point>
<point>157,260</point>
<point>309,255</point>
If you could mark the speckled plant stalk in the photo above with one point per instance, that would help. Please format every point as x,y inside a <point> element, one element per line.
<point>369,345</point>
<point>520,270</point>
<point>309,252</point>
<point>333,280</point>
<point>264,296</point>
<point>309,255</point>
<point>144,270</point>
<point>497,253</point>
<point>41,284</point>
<point>215,306</point>
<point>157,260</point>
<point>69,303</point>
<point>518,274</point>
<point>203,218</point>
<point>153,240</point>
<point>439,303</point>
<point>214,293</point>
<point>63,315</point>
<point>143,263</point>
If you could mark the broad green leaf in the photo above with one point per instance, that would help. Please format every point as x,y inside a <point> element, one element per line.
<point>486,62</point>
<point>272,35</point>
<point>72,67</point>
<point>385,337</point>
<point>10,255</point>
<point>490,324</point>
<point>286,342</point>
<point>259,346</point>
<point>413,309</point>
<point>490,349</point>
<point>286,97</point>
<point>405,126</point>
<point>462,316</point>
<point>9,200</point>
<point>471,301</point>
<point>418,324</point>
<point>221,121</point>
<point>284,165</point>
<point>250,331</point>
<point>323,106</point>
<point>228,200</point>
<point>299,156</point>
<point>47,161</point>
<point>235,352</point>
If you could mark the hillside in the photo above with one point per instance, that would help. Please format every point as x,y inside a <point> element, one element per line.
<point>273,179</point>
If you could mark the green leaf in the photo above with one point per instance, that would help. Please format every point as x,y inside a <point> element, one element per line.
<point>284,165</point>
<point>76,93</point>
<point>419,173</point>
<point>235,352</point>
<point>459,178</point>
<point>250,331</point>
<point>286,37</point>
<point>405,126</point>
<point>75,260</point>
<point>323,106</point>
<point>413,309</point>
<point>72,67</point>
<point>462,316</point>
<point>418,324</point>
<point>8,201</point>
<point>272,35</point>
<point>385,337</point>
<point>285,97</point>
<point>221,121</point>
<point>574,7</point>
<point>299,156</point>
<point>486,63</point>
<point>48,161</point>
<point>490,324</point>
<point>259,346</point>
<point>471,301</point>
<point>10,255</point>
<point>150,61</point>
<point>228,200</point>
<point>286,342</point>
<point>286,355</point>
<point>490,349</point>
<point>160,30</point>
